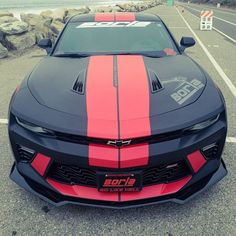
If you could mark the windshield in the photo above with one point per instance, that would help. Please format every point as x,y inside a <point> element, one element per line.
<point>116,38</point>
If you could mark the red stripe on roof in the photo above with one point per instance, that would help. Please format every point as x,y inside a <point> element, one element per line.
<point>125,16</point>
<point>105,17</point>
<point>40,163</point>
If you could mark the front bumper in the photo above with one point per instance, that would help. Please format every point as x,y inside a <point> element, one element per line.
<point>56,199</point>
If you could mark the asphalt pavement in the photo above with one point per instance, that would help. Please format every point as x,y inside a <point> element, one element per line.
<point>211,213</point>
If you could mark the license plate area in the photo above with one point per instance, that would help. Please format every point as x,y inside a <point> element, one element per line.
<point>119,182</point>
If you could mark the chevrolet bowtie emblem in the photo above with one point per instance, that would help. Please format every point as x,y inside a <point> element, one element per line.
<point>119,143</point>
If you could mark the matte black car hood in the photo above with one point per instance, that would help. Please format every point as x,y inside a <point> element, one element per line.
<point>52,81</point>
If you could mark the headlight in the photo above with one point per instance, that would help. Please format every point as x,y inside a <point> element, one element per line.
<point>204,124</point>
<point>33,128</point>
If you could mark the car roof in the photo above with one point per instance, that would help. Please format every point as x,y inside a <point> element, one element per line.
<point>138,17</point>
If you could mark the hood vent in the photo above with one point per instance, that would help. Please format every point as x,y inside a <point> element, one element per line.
<point>154,81</point>
<point>79,84</point>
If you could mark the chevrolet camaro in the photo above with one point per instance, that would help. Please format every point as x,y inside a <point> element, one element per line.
<point>117,115</point>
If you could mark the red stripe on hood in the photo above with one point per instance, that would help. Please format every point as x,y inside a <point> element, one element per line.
<point>125,16</point>
<point>105,17</point>
<point>133,93</point>
<point>101,98</point>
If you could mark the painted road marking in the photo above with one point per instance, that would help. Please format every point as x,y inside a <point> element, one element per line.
<point>213,16</point>
<point>226,79</point>
<point>220,32</point>
<point>4,121</point>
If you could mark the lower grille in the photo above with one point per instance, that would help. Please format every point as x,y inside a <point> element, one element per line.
<point>25,153</point>
<point>211,151</point>
<point>69,174</point>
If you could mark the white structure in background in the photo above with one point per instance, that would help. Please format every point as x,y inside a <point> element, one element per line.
<point>218,5</point>
<point>206,21</point>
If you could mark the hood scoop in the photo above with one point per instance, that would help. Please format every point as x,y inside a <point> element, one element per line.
<point>154,82</point>
<point>79,84</point>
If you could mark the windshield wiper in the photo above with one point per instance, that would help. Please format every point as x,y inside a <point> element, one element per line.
<point>72,55</point>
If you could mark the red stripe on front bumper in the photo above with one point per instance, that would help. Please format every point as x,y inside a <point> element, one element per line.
<point>40,163</point>
<point>83,192</point>
<point>155,190</point>
<point>134,156</point>
<point>103,156</point>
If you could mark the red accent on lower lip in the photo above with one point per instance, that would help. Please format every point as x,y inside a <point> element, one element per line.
<point>40,163</point>
<point>196,160</point>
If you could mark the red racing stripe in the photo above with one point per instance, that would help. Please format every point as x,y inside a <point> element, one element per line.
<point>82,192</point>
<point>155,190</point>
<point>133,93</point>
<point>129,16</point>
<point>103,156</point>
<point>99,17</point>
<point>134,156</point>
<point>40,163</point>
<point>101,98</point>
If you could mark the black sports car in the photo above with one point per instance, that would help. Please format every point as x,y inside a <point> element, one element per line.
<point>117,115</point>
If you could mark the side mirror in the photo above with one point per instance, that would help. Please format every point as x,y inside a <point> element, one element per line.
<point>187,42</point>
<point>45,44</point>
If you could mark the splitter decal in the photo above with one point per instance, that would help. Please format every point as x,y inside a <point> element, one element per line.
<point>114,24</point>
<point>186,91</point>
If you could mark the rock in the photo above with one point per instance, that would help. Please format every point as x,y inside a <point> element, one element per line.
<point>58,14</point>
<point>102,9</point>
<point>79,11</point>
<point>3,51</point>
<point>20,42</point>
<point>16,27</point>
<point>7,19</point>
<point>56,26</point>
<point>5,13</point>
<point>34,19</point>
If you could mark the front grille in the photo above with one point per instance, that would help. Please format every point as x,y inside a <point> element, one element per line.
<point>69,174</point>
<point>25,153</point>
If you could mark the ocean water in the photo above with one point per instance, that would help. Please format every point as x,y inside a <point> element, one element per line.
<point>36,6</point>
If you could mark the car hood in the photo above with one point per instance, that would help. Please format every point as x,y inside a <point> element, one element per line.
<point>102,88</point>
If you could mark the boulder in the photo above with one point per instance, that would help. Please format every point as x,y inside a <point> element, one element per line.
<point>102,9</point>
<point>3,51</point>
<point>7,19</point>
<point>58,14</point>
<point>5,13</point>
<point>20,42</point>
<point>56,26</point>
<point>16,27</point>
<point>79,11</point>
<point>33,20</point>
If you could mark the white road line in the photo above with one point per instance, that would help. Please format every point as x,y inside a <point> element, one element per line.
<point>231,140</point>
<point>213,16</point>
<point>3,121</point>
<point>226,79</point>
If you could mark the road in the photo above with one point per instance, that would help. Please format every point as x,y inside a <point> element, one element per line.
<point>223,20</point>
<point>211,213</point>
